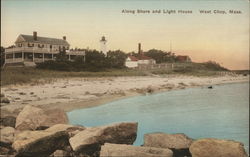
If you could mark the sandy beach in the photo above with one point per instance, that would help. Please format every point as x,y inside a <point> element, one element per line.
<point>75,93</point>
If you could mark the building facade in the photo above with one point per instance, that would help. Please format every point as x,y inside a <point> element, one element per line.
<point>31,49</point>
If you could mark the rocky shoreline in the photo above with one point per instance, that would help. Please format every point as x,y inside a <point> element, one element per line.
<point>45,132</point>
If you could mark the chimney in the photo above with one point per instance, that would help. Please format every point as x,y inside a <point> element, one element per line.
<point>64,37</point>
<point>139,48</point>
<point>35,35</point>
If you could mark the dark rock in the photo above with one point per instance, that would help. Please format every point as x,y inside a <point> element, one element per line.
<point>5,100</point>
<point>39,143</point>
<point>22,93</point>
<point>8,121</point>
<point>123,150</point>
<point>89,141</point>
<point>209,147</point>
<point>210,87</point>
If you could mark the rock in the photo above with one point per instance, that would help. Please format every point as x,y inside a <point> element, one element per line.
<point>61,153</point>
<point>32,118</point>
<point>71,129</point>
<point>150,89</point>
<point>22,93</point>
<point>8,121</point>
<point>7,136</point>
<point>56,116</point>
<point>123,150</point>
<point>89,141</point>
<point>39,143</point>
<point>178,143</point>
<point>2,95</point>
<point>5,100</point>
<point>4,151</point>
<point>209,147</point>
<point>210,87</point>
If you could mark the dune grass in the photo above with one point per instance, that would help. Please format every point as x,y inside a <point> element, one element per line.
<point>23,75</point>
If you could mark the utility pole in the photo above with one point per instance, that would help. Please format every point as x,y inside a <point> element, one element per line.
<point>170,46</point>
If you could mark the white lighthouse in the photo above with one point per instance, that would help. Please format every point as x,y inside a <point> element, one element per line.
<point>103,46</point>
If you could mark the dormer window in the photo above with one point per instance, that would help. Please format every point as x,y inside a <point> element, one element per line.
<point>20,45</point>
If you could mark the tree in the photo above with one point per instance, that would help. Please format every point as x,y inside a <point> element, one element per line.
<point>61,56</point>
<point>2,58</point>
<point>95,61</point>
<point>161,56</point>
<point>116,59</point>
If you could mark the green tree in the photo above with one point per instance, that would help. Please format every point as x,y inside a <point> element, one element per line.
<point>161,56</point>
<point>116,59</point>
<point>95,61</point>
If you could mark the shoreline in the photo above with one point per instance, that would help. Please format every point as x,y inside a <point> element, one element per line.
<point>92,92</point>
<point>104,100</point>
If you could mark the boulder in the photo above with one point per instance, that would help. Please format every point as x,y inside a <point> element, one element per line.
<point>34,118</point>
<point>5,151</point>
<point>89,141</point>
<point>61,153</point>
<point>5,100</point>
<point>71,129</point>
<point>39,143</point>
<point>8,121</point>
<point>56,116</point>
<point>7,136</point>
<point>209,147</point>
<point>178,143</point>
<point>123,150</point>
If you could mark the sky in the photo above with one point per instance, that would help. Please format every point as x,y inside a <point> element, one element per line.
<point>223,38</point>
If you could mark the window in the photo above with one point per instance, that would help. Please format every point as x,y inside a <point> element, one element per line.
<point>40,45</point>
<point>30,45</point>
<point>19,45</point>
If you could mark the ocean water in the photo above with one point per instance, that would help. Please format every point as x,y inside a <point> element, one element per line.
<point>221,112</point>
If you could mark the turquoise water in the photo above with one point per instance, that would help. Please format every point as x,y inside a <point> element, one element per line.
<point>221,112</point>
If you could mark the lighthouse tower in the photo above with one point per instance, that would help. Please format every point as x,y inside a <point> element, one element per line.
<point>103,46</point>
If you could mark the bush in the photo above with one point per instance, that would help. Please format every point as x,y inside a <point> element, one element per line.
<point>211,65</point>
<point>56,65</point>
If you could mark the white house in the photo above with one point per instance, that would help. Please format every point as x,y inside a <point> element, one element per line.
<point>142,59</point>
<point>31,49</point>
<point>132,61</point>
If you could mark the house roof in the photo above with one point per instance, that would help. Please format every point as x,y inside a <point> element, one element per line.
<point>143,57</point>
<point>133,58</point>
<point>44,40</point>
<point>183,58</point>
<point>140,57</point>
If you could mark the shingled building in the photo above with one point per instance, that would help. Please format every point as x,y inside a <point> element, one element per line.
<point>31,49</point>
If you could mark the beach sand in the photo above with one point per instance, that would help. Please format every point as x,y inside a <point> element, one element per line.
<point>74,93</point>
